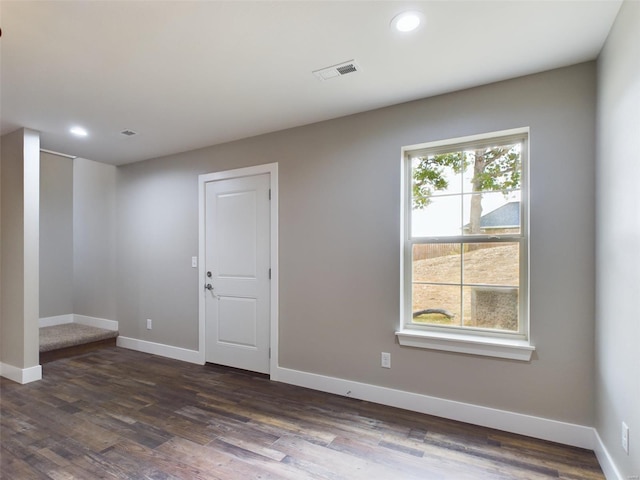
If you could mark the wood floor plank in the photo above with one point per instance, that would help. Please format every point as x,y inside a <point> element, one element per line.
<point>405,466</point>
<point>254,447</point>
<point>349,466</point>
<point>119,414</point>
<point>150,463</point>
<point>14,467</point>
<point>199,456</point>
<point>282,422</point>
<point>228,462</point>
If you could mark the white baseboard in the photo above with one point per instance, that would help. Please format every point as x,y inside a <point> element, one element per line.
<point>607,464</point>
<point>81,319</point>
<point>537,427</point>
<point>21,375</point>
<point>177,353</point>
<point>56,320</point>
<point>96,322</point>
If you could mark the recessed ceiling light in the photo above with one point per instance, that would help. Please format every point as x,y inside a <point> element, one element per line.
<point>407,21</point>
<point>79,131</point>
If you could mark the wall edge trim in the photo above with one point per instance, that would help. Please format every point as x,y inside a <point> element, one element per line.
<point>81,319</point>
<point>95,322</point>
<point>605,460</point>
<point>168,351</point>
<point>512,422</point>
<point>21,375</point>
<point>56,320</point>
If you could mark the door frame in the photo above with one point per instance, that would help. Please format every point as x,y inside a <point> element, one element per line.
<point>203,179</point>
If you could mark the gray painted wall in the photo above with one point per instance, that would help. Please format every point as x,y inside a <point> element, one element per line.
<point>618,217</point>
<point>19,248</point>
<point>157,230</point>
<point>77,241</point>
<point>56,235</point>
<point>2,328</point>
<point>94,266</point>
<point>339,244</point>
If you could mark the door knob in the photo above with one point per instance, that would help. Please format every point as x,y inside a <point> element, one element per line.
<point>208,286</point>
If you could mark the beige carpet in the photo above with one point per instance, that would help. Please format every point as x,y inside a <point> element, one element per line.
<point>70,335</point>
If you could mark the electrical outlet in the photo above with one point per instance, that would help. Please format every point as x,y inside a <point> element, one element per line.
<point>149,324</point>
<point>625,437</point>
<point>385,360</point>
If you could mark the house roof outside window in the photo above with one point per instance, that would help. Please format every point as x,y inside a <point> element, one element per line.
<point>506,216</point>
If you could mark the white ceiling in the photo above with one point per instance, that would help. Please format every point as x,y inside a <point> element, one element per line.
<point>188,74</point>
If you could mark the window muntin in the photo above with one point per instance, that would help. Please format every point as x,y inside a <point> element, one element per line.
<point>465,237</point>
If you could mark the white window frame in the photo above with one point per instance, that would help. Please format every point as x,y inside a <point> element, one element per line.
<point>467,340</point>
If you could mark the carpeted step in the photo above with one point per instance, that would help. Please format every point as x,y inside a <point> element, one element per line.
<point>60,341</point>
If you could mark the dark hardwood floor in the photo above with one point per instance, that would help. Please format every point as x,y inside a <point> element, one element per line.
<point>116,413</point>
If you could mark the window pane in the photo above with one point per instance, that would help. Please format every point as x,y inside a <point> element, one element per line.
<point>441,217</point>
<point>436,304</point>
<point>493,168</point>
<point>466,191</point>
<point>436,175</point>
<point>437,263</point>
<point>492,264</point>
<point>491,307</point>
<point>491,213</point>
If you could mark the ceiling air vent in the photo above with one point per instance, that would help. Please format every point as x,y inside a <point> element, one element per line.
<point>339,70</point>
<point>128,133</point>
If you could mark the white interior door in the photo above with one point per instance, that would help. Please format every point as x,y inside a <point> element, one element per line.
<point>237,253</point>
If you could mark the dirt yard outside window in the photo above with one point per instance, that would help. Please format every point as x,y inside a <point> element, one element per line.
<point>486,304</point>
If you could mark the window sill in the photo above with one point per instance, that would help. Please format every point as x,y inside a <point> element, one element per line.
<point>470,344</point>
